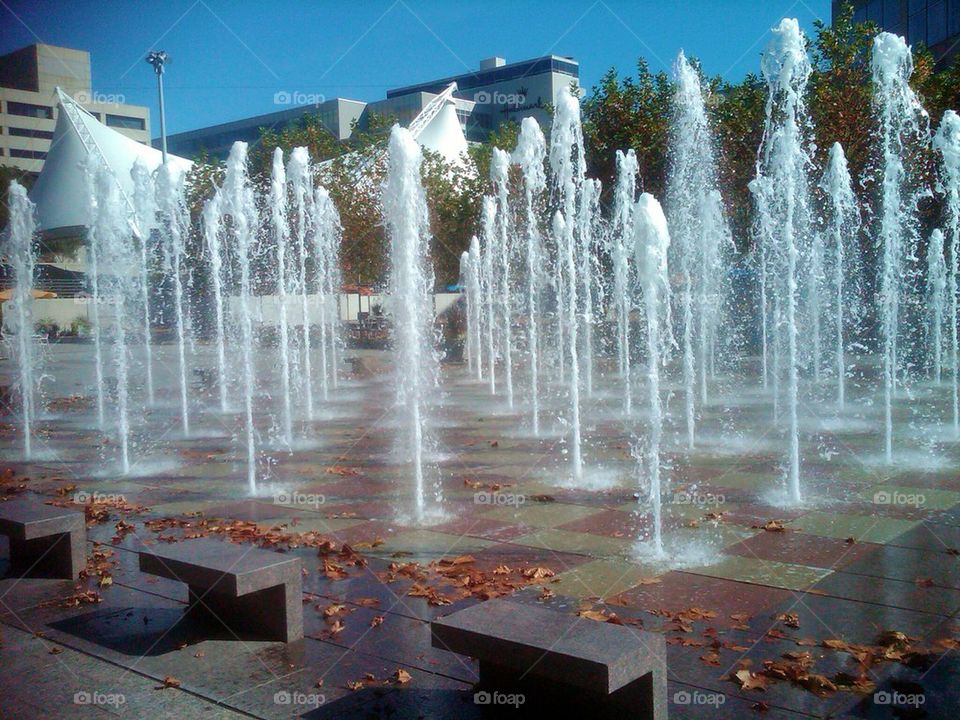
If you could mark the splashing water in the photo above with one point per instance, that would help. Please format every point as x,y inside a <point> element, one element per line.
<point>947,143</point>
<point>903,126</point>
<point>411,283</point>
<point>843,229</point>
<point>211,220</point>
<point>144,205</point>
<point>936,300</point>
<point>21,255</point>
<point>624,194</point>
<point>530,155</point>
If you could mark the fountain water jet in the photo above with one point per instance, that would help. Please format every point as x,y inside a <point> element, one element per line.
<point>651,243</point>
<point>21,255</point>
<point>411,283</point>
<point>299,175</point>
<point>211,219</point>
<point>843,229</point>
<point>903,127</point>
<point>500,176</point>
<point>624,194</point>
<point>145,211</point>
<point>936,300</point>
<point>488,214</point>
<point>947,143</point>
<point>530,155</point>
<point>280,233</point>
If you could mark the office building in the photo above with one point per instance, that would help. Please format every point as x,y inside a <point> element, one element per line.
<point>932,23</point>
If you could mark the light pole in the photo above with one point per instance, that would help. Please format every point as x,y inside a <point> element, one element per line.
<point>158,59</point>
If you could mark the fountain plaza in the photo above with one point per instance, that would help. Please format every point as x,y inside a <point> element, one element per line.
<point>784,510</point>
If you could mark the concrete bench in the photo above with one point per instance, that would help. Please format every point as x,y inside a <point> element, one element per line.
<point>558,662</point>
<point>240,586</point>
<point>45,541</point>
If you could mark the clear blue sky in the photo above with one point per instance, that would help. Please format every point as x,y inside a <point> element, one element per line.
<point>231,56</point>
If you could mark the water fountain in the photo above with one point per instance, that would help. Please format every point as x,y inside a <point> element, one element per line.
<point>488,216</point>
<point>212,228</point>
<point>587,221</point>
<point>299,176</point>
<point>239,205</point>
<point>530,154</point>
<point>145,212</point>
<point>91,167</point>
<point>502,248</point>
<point>327,280</point>
<point>411,285</point>
<point>624,195</point>
<point>21,255</point>
<point>783,196</point>
<point>279,230</point>
<point>903,128</point>
<point>567,162</point>
<point>476,306</point>
<point>700,235</point>
<point>947,143</point>
<point>651,244</point>
<point>936,301</point>
<point>175,223</point>
<point>843,228</point>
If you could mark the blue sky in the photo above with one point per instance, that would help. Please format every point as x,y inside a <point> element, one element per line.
<point>231,57</point>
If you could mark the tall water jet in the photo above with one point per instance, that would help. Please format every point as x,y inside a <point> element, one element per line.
<point>488,215</point>
<point>117,280</point>
<point>475,295</point>
<point>699,233</point>
<point>211,219</point>
<point>175,225</point>
<point>300,178</point>
<point>936,300</point>
<point>239,204</point>
<point>411,285</point>
<point>325,227</point>
<point>530,154</point>
<point>567,161</point>
<point>947,143</point>
<point>903,128</point>
<point>587,221</point>
<point>843,229</point>
<point>624,195</point>
<point>21,255</point>
<point>280,237</point>
<point>651,243</point>
<point>500,176</point>
<point>784,164</point>
<point>144,207</point>
<point>91,167</point>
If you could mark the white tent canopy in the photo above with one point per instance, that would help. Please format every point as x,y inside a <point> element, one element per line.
<point>60,193</point>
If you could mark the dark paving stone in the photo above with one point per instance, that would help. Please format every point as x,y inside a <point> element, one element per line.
<point>481,527</point>
<point>803,549</point>
<point>893,593</point>
<point>934,537</point>
<point>909,565</point>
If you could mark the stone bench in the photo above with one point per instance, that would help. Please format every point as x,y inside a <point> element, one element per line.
<point>45,541</point>
<point>558,663</point>
<point>242,587</point>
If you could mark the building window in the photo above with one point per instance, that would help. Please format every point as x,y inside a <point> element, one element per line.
<point>918,28</point>
<point>936,22</point>
<point>125,121</point>
<point>29,110</point>
<point>28,154</point>
<point>30,133</point>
